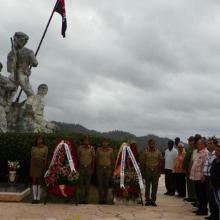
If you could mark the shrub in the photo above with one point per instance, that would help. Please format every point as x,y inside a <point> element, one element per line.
<point>17,147</point>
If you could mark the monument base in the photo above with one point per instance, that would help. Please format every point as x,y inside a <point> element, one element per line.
<point>13,192</point>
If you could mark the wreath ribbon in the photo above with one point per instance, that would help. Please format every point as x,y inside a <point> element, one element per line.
<point>126,148</point>
<point>68,154</point>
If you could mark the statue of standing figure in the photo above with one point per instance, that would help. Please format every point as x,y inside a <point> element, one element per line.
<point>19,62</point>
<point>28,115</point>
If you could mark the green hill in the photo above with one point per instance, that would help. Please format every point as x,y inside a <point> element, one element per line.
<point>115,135</point>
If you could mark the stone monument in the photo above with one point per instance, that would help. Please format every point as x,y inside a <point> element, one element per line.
<point>26,116</point>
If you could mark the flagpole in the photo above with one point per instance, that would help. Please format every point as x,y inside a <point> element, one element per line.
<point>45,31</point>
<point>41,40</point>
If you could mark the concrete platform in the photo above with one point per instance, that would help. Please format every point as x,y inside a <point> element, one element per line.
<point>13,193</point>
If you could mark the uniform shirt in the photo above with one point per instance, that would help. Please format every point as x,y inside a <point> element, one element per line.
<point>38,161</point>
<point>39,153</point>
<point>86,155</point>
<point>178,164</point>
<point>215,173</point>
<point>170,157</point>
<point>104,157</point>
<point>208,163</point>
<point>196,172</point>
<point>151,158</point>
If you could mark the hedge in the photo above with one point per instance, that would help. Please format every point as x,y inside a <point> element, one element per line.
<point>17,146</point>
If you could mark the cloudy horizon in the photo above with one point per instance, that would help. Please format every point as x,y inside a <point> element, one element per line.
<point>146,67</point>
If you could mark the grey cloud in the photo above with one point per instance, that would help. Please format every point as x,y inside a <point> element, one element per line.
<point>140,66</point>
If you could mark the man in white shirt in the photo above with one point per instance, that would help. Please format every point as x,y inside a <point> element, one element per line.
<point>170,156</point>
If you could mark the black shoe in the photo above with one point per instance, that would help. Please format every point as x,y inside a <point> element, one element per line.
<point>152,203</point>
<point>189,200</point>
<point>202,213</point>
<point>171,194</point>
<point>148,203</point>
<point>208,217</point>
<point>34,201</point>
<point>167,193</point>
<point>37,201</point>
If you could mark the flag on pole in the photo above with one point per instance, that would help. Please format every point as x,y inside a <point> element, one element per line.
<point>60,8</point>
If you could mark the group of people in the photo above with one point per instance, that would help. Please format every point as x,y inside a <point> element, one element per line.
<point>101,161</point>
<point>192,170</point>
<point>195,170</point>
<point>88,159</point>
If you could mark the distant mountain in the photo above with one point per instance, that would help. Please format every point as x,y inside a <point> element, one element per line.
<point>115,135</point>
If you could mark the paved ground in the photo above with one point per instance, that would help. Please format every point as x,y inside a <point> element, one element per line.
<point>169,208</point>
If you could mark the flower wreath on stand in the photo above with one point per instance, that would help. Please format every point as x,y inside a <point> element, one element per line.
<point>127,179</point>
<point>62,176</point>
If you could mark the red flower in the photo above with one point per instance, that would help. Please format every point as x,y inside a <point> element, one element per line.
<point>60,170</point>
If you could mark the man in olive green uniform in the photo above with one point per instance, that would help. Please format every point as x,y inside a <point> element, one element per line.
<point>104,165</point>
<point>151,169</point>
<point>86,159</point>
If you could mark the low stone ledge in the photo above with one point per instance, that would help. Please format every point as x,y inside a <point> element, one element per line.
<point>13,193</point>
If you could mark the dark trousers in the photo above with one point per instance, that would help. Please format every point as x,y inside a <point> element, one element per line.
<point>169,181</point>
<point>201,189</point>
<point>180,184</point>
<point>151,181</point>
<point>85,174</point>
<point>217,198</point>
<point>213,207</point>
<point>104,176</point>
<point>190,188</point>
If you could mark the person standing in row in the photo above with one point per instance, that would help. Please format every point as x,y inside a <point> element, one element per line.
<point>104,168</point>
<point>86,161</point>
<point>196,174</point>
<point>176,142</point>
<point>194,157</point>
<point>170,156</point>
<point>215,178</point>
<point>38,166</point>
<point>213,207</point>
<point>179,172</point>
<point>187,164</point>
<point>151,169</point>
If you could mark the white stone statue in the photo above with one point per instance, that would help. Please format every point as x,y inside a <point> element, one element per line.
<point>27,116</point>
<point>34,112</point>
<point>7,91</point>
<point>19,62</point>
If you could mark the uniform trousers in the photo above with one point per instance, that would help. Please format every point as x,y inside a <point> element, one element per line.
<point>151,176</point>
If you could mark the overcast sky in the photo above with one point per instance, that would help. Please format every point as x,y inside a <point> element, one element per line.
<point>145,66</point>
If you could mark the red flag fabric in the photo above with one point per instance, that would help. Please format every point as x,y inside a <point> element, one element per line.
<point>60,8</point>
